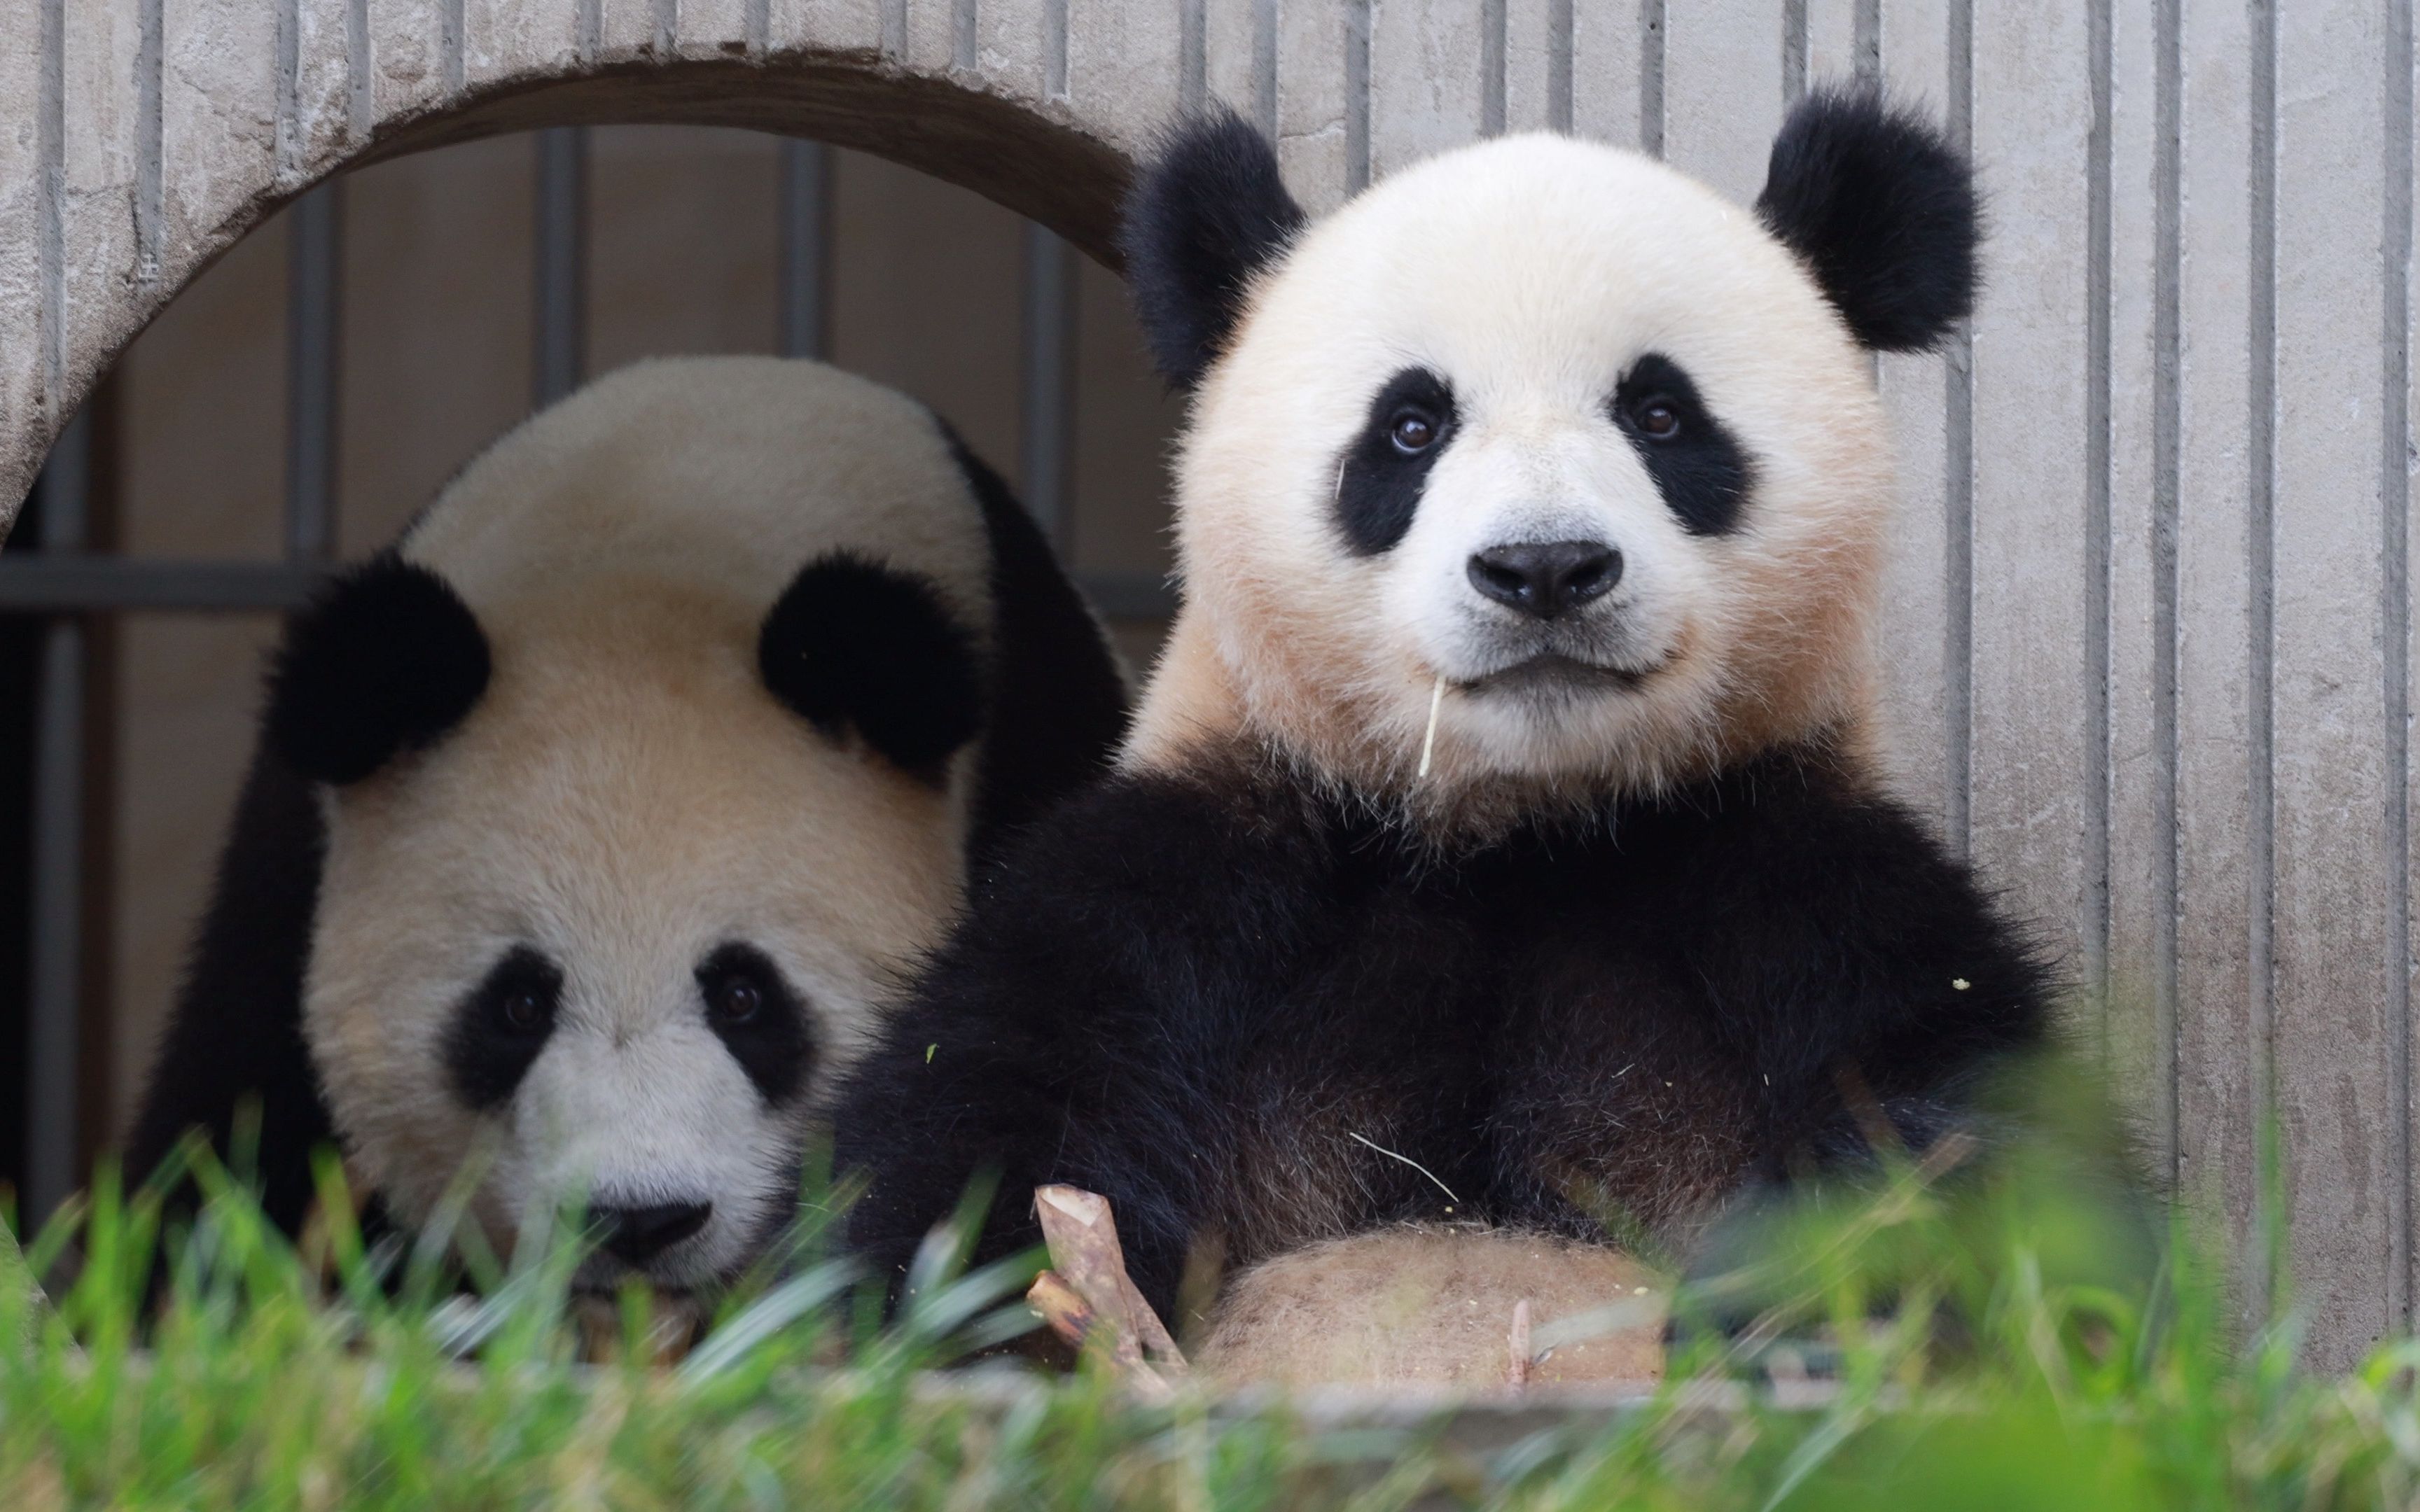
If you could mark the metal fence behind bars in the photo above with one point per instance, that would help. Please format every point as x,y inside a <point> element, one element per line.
<point>69,585</point>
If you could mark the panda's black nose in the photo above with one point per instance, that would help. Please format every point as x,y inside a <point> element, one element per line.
<point>1545,578</point>
<point>638,1235</point>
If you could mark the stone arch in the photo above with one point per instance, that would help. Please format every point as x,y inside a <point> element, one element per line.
<point>141,138</point>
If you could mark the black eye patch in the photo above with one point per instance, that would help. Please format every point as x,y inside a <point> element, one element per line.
<point>1384,468</point>
<point>500,1028</point>
<point>1698,465</point>
<point>759,1020</point>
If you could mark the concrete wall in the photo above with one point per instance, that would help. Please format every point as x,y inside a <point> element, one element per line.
<point>2150,616</point>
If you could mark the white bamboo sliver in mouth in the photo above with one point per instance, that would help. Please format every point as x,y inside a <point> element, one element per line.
<point>1428,742</point>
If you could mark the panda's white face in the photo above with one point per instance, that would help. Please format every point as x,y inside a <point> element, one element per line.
<point>1559,430</point>
<point>615,932</point>
<point>613,937</point>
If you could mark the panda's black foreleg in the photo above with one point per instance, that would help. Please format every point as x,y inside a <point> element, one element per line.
<point>921,1136</point>
<point>925,1133</point>
<point>1748,1284</point>
<point>234,1040</point>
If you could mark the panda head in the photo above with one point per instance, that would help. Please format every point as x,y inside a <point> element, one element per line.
<point>646,763</point>
<point>1541,436</point>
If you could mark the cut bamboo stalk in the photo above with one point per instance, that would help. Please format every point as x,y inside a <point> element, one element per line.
<point>1087,1291</point>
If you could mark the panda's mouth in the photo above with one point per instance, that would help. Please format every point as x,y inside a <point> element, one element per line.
<point>1553,671</point>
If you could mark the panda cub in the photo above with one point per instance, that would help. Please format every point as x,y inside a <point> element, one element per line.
<point>1501,839</point>
<point>590,824</point>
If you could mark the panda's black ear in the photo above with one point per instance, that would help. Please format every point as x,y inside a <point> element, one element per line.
<point>1058,705</point>
<point>1208,212</point>
<point>854,645</point>
<point>385,660</point>
<point>1884,211</point>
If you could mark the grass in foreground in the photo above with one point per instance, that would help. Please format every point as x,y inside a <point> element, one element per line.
<point>2012,1346</point>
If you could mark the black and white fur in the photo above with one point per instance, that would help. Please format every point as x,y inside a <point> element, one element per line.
<point>1551,440</point>
<point>591,823</point>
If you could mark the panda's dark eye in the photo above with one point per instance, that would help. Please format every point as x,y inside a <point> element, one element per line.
<point>1658,418</point>
<point>522,1010</point>
<point>501,1029</point>
<point>1703,473</point>
<point>1379,480</point>
<point>750,1009</point>
<point>735,1000</point>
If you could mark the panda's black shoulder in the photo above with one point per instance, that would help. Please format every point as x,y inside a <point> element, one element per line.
<point>1807,824</point>
<point>1800,877</point>
<point>1146,900</point>
<point>1150,864</point>
<point>1788,816</point>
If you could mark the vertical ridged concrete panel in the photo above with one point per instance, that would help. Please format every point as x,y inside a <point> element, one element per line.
<point>2222,1007</point>
<point>1538,64</point>
<point>2030,771</point>
<point>1020,47</point>
<point>97,160</point>
<point>26,419</point>
<point>1722,91</point>
<point>1924,661</point>
<point>1111,58</point>
<point>504,39</point>
<point>2138,431</point>
<point>1609,67</point>
<point>1239,61</point>
<point>1322,98</point>
<point>2336,1039</point>
<point>314,88</point>
<point>220,96</point>
<point>2145,631</point>
<point>409,52</point>
<point>1429,77</point>
<point>705,29</point>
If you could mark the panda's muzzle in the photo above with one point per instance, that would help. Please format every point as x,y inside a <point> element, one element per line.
<point>1545,580</point>
<point>1552,672</point>
<point>636,1234</point>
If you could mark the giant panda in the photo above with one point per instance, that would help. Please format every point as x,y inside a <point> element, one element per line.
<point>1503,846</point>
<point>590,824</point>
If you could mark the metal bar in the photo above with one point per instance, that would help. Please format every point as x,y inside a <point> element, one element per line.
<point>57,943</point>
<point>314,312</point>
<point>71,582</point>
<point>804,228</point>
<point>1047,399</point>
<point>561,328</point>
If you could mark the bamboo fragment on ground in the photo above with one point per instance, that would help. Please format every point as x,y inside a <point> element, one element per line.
<point>1516,1373</point>
<point>1087,1291</point>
